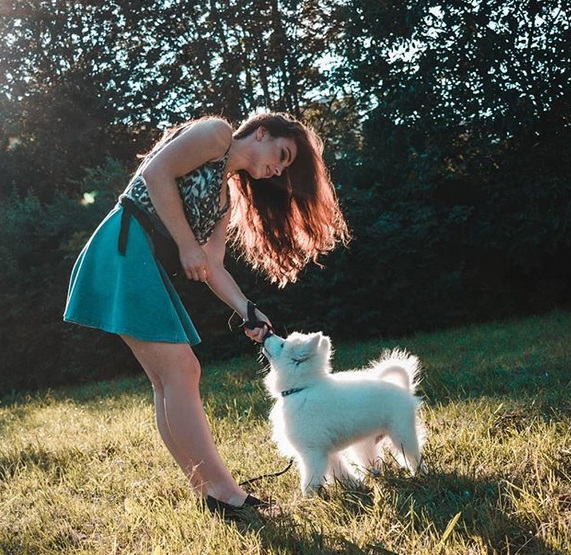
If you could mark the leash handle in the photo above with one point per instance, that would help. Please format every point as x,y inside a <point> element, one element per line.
<point>252,323</point>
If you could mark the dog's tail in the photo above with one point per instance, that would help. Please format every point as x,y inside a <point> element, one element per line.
<point>398,367</point>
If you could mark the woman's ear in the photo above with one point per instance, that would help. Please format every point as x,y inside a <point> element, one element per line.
<point>260,132</point>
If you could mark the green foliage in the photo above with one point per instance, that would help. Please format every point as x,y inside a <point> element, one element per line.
<point>38,246</point>
<point>32,233</point>
<point>186,59</point>
<point>35,233</point>
<point>504,62</point>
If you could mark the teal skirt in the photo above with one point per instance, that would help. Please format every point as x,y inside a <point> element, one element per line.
<point>128,294</point>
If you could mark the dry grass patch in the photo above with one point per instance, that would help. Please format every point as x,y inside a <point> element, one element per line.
<point>83,471</point>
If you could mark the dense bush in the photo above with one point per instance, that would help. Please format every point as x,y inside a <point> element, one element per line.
<point>37,248</point>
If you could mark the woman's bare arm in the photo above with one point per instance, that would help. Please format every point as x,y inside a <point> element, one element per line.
<point>202,142</point>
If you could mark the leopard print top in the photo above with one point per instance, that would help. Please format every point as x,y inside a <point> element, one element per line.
<point>200,192</point>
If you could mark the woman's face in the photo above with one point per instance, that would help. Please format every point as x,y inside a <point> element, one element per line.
<point>271,155</point>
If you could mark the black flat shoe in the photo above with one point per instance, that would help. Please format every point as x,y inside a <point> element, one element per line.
<point>232,512</point>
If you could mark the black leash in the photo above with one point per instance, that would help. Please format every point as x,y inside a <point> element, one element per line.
<point>272,475</point>
<point>252,323</point>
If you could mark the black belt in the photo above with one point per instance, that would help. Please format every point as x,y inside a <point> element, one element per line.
<point>131,209</point>
<point>166,250</point>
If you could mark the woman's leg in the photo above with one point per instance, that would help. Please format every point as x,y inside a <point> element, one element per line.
<point>184,462</point>
<point>175,372</point>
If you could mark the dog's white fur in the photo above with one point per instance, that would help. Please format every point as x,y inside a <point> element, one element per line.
<point>337,424</point>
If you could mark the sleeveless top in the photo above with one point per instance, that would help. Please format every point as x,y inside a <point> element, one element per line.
<point>199,191</point>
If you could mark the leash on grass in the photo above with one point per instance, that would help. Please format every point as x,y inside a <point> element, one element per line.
<point>271,475</point>
<point>252,323</point>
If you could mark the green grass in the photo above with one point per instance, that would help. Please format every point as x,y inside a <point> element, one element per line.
<point>83,471</point>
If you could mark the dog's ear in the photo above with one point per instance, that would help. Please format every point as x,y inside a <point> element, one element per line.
<point>325,342</point>
<point>314,341</point>
<point>319,342</point>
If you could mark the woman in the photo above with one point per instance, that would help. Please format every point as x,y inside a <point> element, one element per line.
<point>266,189</point>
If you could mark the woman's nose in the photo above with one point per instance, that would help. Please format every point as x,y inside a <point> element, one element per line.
<point>278,170</point>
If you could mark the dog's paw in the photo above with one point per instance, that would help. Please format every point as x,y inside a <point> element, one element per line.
<point>422,469</point>
<point>314,490</point>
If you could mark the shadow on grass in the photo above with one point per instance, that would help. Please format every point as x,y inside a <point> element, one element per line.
<point>478,511</point>
<point>482,507</point>
<point>296,535</point>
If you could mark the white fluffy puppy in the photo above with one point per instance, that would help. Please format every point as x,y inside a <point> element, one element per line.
<point>336,425</point>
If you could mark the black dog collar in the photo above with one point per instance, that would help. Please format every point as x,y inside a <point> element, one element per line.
<point>291,391</point>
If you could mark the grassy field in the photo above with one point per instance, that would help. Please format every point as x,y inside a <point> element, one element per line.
<point>83,471</point>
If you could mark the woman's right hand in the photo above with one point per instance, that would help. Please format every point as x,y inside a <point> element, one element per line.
<point>194,262</point>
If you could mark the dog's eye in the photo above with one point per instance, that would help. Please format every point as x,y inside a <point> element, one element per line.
<point>298,361</point>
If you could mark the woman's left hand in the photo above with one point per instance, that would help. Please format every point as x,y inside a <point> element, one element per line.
<point>258,334</point>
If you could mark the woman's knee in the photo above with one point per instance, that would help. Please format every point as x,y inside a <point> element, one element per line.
<point>180,371</point>
<point>186,369</point>
<point>166,363</point>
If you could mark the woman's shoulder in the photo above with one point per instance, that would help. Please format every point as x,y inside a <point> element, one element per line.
<point>202,140</point>
<point>218,131</point>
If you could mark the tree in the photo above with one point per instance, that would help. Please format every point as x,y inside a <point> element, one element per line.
<point>466,147</point>
<point>502,62</point>
<point>82,81</point>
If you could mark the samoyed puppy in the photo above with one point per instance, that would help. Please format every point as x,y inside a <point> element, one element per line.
<point>336,425</point>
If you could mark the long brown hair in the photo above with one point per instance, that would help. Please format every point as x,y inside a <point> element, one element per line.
<point>281,224</point>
